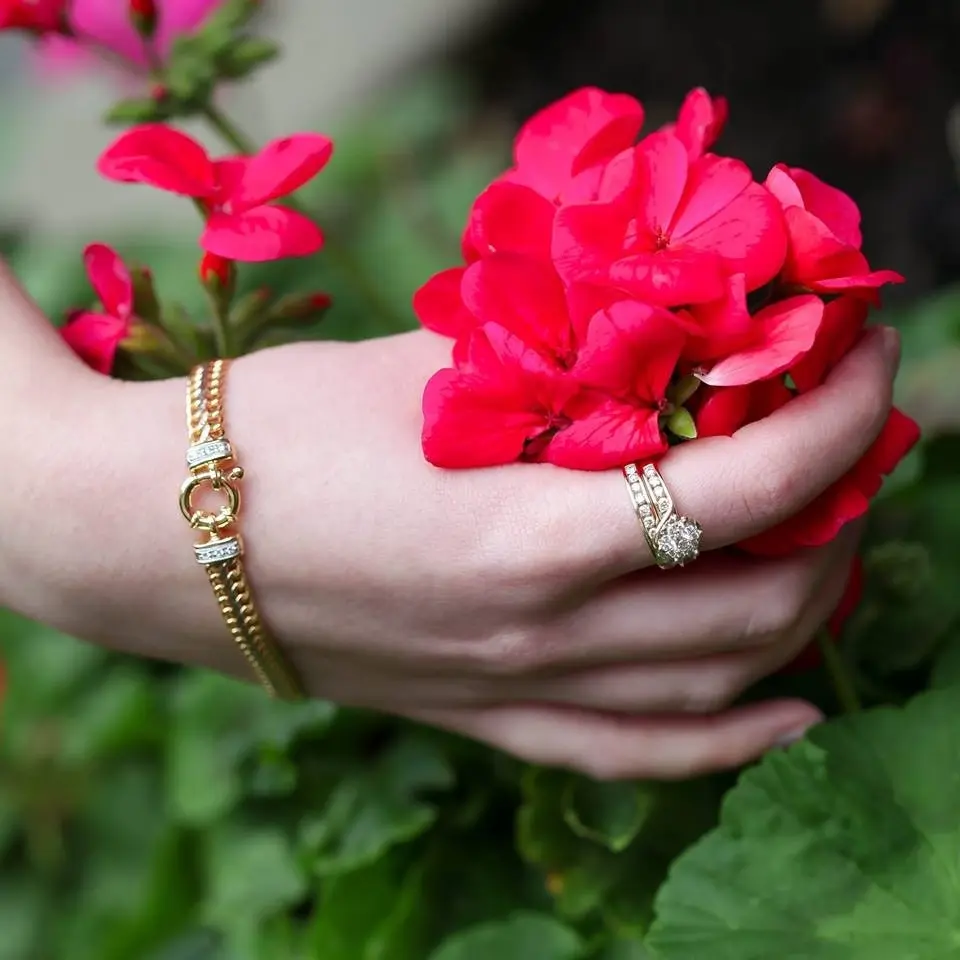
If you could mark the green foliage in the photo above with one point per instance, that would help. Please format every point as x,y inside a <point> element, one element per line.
<point>152,813</point>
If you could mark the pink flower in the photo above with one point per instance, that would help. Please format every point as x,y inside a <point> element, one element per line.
<point>95,335</point>
<point>107,24</point>
<point>823,225</point>
<point>559,154</point>
<point>504,402</point>
<point>237,193</point>
<point>35,16</point>
<point>700,122</point>
<point>670,231</point>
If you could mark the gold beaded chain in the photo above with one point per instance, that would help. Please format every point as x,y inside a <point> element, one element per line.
<point>212,462</point>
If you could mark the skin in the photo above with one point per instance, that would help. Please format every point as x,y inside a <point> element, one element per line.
<point>515,605</point>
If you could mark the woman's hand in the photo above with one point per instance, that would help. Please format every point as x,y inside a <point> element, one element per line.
<point>515,605</point>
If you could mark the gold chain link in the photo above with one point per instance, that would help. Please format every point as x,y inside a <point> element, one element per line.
<point>212,462</point>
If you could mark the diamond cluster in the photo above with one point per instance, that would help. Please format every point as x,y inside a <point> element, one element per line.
<point>217,551</point>
<point>678,542</point>
<point>208,452</point>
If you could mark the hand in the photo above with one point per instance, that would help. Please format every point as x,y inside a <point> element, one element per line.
<point>514,605</point>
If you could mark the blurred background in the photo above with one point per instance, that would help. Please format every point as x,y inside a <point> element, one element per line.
<point>149,813</point>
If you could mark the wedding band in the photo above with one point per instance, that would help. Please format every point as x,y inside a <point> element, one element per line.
<point>674,540</point>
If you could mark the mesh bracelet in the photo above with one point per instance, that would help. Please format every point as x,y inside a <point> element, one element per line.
<point>212,463</point>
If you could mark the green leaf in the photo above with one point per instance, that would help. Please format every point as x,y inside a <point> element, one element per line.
<point>142,110</point>
<point>523,937</point>
<point>244,56</point>
<point>680,423</point>
<point>253,873</point>
<point>946,669</point>
<point>610,814</point>
<point>22,911</point>
<point>375,913</point>
<point>842,848</point>
<point>378,806</point>
<point>625,950</point>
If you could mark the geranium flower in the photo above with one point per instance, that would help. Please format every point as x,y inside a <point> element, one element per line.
<point>850,496</point>
<point>107,24</point>
<point>670,231</point>
<point>700,122</point>
<point>95,335</point>
<point>559,155</point>
<point>35,16</point>
<point>504,402</point>
<point>236,193</point>
<point>823,225</point>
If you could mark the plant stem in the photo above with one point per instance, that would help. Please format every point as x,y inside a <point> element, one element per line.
<point>341,255</point>
<point>839,675</point>
<point>227,129</point>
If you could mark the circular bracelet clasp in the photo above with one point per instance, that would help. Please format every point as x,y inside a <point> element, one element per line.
<point>219,481</point>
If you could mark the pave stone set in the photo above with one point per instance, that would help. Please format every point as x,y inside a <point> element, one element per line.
<point>673,540</point>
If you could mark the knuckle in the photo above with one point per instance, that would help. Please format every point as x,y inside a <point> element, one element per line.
<point>710,692</point>
<point>509,653</point>
<point>768,492</point>
<point>779,611</point>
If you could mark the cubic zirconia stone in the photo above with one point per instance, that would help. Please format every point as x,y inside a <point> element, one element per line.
<point>217,552</point>
<point>208,452</point>
<point>679,542</point>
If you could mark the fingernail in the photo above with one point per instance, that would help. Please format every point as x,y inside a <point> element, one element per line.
<point>891,347</point>
<point>793,736</point>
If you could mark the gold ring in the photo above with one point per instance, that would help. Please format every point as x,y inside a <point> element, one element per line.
<point>673,540</point>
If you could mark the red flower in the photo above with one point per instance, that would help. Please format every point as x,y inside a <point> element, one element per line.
<point>237,193</point>
<point>505,402</point>
<point>558,155</point>
<point>215,271</point>
<point>670,231</point>
<point>850,496</point>
<point>35,16</point>
<point>824,229</point>
<point>95,335</point>
<point>748,348</point>
<point>700,122</point>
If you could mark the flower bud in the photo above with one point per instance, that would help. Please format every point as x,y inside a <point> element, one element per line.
<point>299,307</point>
<point>216,273</point>
<point>143,16</point>
<point>38,17</point>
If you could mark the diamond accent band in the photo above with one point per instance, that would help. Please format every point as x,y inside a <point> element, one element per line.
<point>208,452</point>
<point>673,540</point>
<point>217,551</point>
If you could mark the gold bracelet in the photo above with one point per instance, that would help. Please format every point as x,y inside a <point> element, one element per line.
<point>212,461</point>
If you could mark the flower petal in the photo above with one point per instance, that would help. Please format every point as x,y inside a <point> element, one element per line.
<point>785,331</point>
<point>261,234</point>
<point>700,121</point>
<point>510,218</point>
<point>522,295</point>
<point>95,337</point>
<point>834,207</point>
<point>841,328</point>
<point>162,157</point>
<point>663,169</point>
<point>281,168</point>
<point>749,233</point>
<point>439,305</point>
<point>110,279</point>
<point>713,184</point>
<point>583,129</point>
<point>606,434</point>
<point>671,277</point>
<point>587,238</point>
<point>631,349</point>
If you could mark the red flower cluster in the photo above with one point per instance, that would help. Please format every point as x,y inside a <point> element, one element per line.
<point>35,16</point>
<point>619,295</point>
<point>236,194</point>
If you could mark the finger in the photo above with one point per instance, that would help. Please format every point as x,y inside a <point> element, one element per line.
<point>614,747</point>
<point>702,685</point>
<point>734,486</point>
<point>723,603</point>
